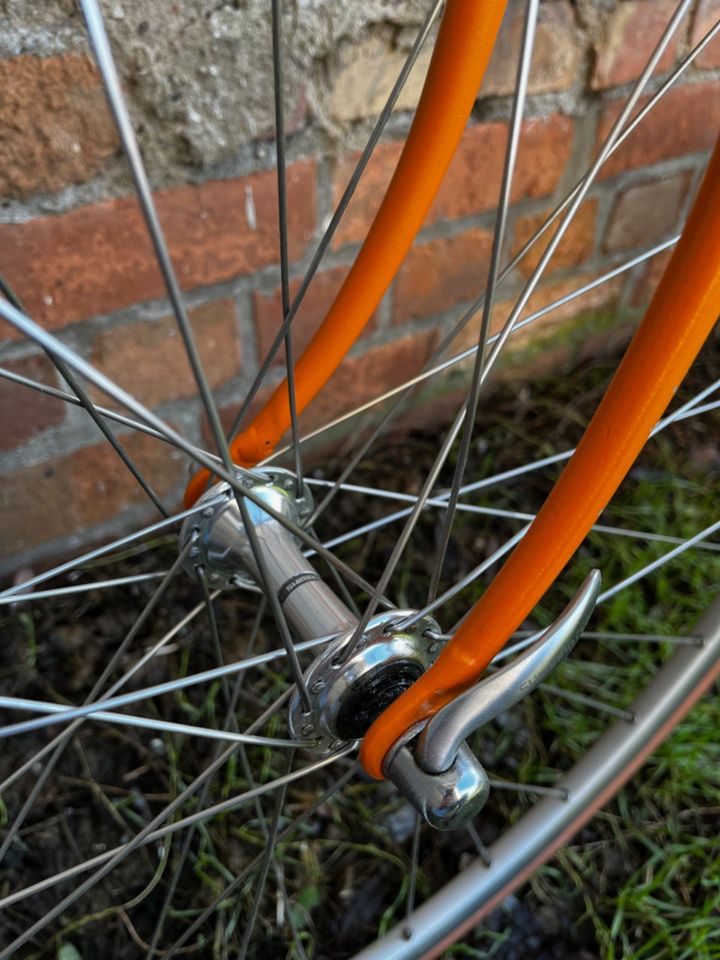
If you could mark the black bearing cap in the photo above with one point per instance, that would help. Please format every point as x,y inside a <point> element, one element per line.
<point>372,693</point>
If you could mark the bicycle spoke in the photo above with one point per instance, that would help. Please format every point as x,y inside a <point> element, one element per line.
<point>480,847</point>
<point>471,403</point>
<point>404,537</point>
<point>345,594</point>
<point>35,332</point>
<point>59,744</point>
<point>148,723</point>
<point>229,722</point>
<point>83,400</point>
<point>264,869</point>
<point>621,585</point>
<point>586,183</point>
<point>283,235</point>
<point>466,581</point>
<point>528,788</point>
<point>404,388</point>
<point>440,501</point>
<point>81,588</point>
<point>690,640</point>
<point>104,550</point>
<point>149,834</point>
<point>363,160</point>
<point>104,412</point>
<point>111,81</point>
<point>574,697</point>
<point>113,90</point>
<point>30,763</point>
<point>242,876</point>
<point>655,564</point>
<point>705,408</point>
<point>169,686</point>
<point>432,369</point>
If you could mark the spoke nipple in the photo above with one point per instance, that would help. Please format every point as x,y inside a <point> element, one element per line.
<point>407,933</point>
<point>317,686</point>
<point>307,729</point>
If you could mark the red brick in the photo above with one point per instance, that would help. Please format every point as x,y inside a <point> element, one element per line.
<point>73,493</point>
<point>685,120</point>
<point>441,273</point>
<point>577,244</point>
<point>315,305</point>
<point>556,54</point>
<point>229,413</point>
<point>601,296</point>
<point>707,14</point>
<point>472,182</point>
<point>648,279</point>
<point>25,413</point>
<point>148,359</point>
<point>632,33</point>
<point>359,379</point>
<point>646,212</point>
<point>98,259</point>
<point>56,124</point>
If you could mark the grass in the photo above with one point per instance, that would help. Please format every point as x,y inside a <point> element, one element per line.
<point>640,881</point>
<point>661,899</point>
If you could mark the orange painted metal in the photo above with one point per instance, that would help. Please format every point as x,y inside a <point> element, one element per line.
<point>682,313</point>
<point>462,50</point>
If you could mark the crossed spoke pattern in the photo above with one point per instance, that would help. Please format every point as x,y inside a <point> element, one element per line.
<point>272,780</point>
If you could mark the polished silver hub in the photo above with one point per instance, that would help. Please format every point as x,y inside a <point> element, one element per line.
<point>348,691</point>
<point>222,547</point>
<point>357,677</point>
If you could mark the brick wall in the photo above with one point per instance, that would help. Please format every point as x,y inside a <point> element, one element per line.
<point>73,245</point>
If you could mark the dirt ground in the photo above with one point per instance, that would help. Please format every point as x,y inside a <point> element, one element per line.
<point>346,870</point>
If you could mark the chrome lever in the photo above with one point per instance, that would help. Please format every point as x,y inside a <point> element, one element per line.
<point>440,740</point>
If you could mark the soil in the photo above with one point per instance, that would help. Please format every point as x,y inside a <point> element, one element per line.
<point>346,865</point>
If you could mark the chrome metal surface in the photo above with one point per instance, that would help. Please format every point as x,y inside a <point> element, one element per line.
<point>554,819</point>
<point>447,800</point>
<point>347,694</point>
<point>222,548</point>
<point>441,738</point>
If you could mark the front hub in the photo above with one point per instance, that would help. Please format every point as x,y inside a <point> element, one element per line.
<point>348,692</point>
<point>354,679</point>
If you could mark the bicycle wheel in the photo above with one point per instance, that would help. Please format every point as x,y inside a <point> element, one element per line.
<point>643,721</point>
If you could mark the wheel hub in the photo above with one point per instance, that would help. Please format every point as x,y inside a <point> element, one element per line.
<point>349,690</point>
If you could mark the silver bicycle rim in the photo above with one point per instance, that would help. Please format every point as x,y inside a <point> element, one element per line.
<point>552,821</point>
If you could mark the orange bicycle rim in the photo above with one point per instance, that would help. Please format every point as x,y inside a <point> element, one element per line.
<point>682,313</point>
<point>462,51</point>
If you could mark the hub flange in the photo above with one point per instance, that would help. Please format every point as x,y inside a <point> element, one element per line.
<point>347,693</point>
